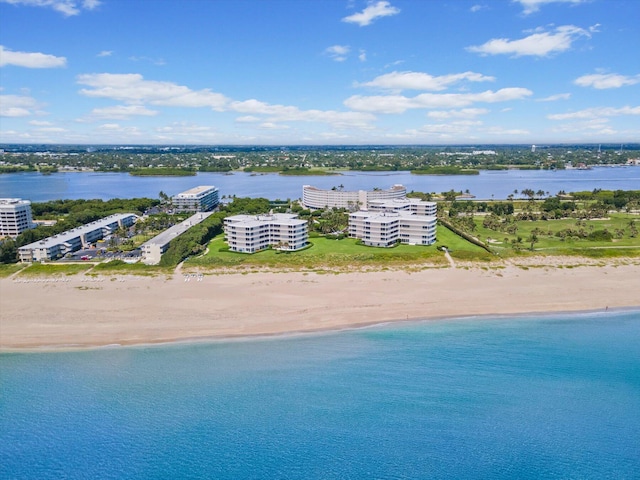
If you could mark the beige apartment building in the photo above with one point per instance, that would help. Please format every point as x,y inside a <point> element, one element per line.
<point>414,206</point>
<point>385,228</point>
<point>318,199</point>
<point>252,233</point>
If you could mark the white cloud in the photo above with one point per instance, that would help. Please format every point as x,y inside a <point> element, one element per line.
<point>338,52</point>
<point>448,129</point>
<point>394,64</point>
<point>122,112</point>
<point>283,113</point>
<point>460,130</point>
<point>555,98</point>
<point>462,113</point>
<point>531,6</point>
<point>193,133</point>
<point>30,59</point>
<point>477,8</point>
<point>248,119</point>
<point>105,53</point>
<point>539,44</point>
<point>40,123</point>
<point>399,103</point>
<point>504,131</point>
<point>597,112</point>
<point>154,61</point>
<point>67,7</point>
<point>182,129</point>
<point>109,126</point>
<point>602,81</point>
<point>51,129</point>
<point>17,106</point>
<point>272,126</point>
<point>133,88</point>
<point>423,81</point>
<point>591,127</point>
<point>372,12</point>
<point>109,132</point>
<point>362,56</point>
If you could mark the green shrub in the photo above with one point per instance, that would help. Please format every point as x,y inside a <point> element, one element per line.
<point>600,236</point>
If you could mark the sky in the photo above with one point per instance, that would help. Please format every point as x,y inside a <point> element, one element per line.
<point>319,72</point>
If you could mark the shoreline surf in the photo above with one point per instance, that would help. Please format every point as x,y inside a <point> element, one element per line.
<point>140,311</point>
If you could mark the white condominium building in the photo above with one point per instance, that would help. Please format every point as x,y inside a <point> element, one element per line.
<point>251,233</point>
<point>67,242</point>
<point>316,198</point>
<point>15,217</point>
<point>153,249</point>
<point>411,205</point>
<point>198,199</point>
<point>385,228</point>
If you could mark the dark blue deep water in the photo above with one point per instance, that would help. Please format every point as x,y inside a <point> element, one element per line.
<point>496,398</point>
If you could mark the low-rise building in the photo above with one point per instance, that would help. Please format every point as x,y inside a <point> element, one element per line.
<point>386,228</point>
<point>252,233</point>
<point>153,249</point>
<point>15,217</point>
<point>411,205</point>
<point>317,198</point>
<point>197,199</point>
<point>72,240</point>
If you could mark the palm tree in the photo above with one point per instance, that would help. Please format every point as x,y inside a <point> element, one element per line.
<point>529,193</point>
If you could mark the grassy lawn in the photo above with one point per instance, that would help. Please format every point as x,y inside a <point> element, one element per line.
<point>46,269</point>
<point>120,267</point>
<point>342,254</point>
<point>10,269</point>
<point>548,242</point>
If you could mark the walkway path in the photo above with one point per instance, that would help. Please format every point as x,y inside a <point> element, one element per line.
<point>448,257</point>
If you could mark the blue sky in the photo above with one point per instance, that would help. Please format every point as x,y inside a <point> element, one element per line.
<point>319,71</point>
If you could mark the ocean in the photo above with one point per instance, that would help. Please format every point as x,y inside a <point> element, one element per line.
<point>548,396</point>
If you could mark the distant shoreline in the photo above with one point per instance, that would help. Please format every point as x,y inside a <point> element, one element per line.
<point>130,310</point>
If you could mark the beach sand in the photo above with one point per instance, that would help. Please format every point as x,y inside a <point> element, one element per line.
<point>83,311</point>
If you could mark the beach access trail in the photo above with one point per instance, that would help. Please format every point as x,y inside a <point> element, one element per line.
<point>78,312</point>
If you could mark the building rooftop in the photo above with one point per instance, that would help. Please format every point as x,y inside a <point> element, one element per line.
<point>381,216</point>
<point>177,230</point>
<point>13,201</point>
<point>395,187</point>
<point>257,220</point>
<point>195,191</point>
<point>76,232</point>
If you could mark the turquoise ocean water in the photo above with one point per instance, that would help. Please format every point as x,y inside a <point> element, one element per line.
<point>553,396</point>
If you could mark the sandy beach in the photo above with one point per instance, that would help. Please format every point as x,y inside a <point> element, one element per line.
<point>84,311</point>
